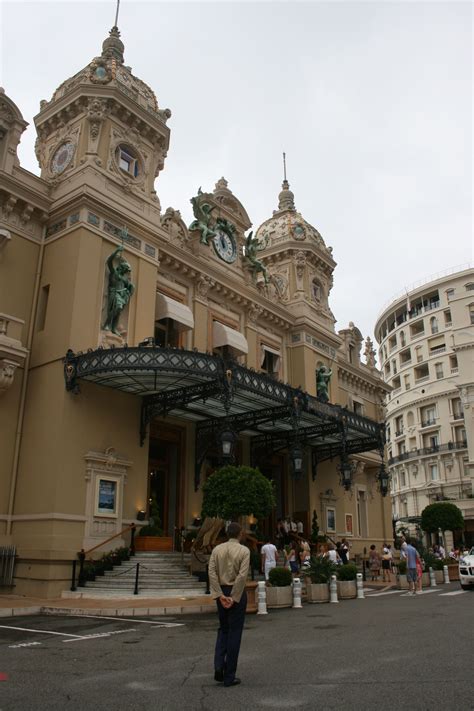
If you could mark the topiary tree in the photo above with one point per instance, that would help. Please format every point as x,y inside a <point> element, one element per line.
<point>442,515</point>
<point>314,527</point>
<point>237,491</point>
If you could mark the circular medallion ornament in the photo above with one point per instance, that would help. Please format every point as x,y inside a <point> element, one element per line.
<point>225,246</point>
<point>62,157</point>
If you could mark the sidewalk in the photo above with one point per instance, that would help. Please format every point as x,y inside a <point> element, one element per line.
<point>15,605</point>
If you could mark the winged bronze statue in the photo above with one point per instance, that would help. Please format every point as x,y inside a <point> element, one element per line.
<point>252,246</point>
<point>202,212</point>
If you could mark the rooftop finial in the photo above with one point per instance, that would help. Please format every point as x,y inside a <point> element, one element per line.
<point>112,47</point>
<point>117,14</point>
<point>286,197</point>
<point>284,166</point>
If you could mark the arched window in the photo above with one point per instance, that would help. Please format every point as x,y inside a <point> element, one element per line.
<point>470,286</point>
<point>434,324</point>
<point>127,160</point>
<point>410,419</point>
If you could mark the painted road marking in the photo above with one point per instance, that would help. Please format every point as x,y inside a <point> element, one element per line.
<point>389,592</point>
<point>134,620</point>
<point>24,644</point>
<point>455,592</point>
<point>26,629</point>
<point>100,634</point>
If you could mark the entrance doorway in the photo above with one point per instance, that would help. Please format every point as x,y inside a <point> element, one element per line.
<point>164,469</point>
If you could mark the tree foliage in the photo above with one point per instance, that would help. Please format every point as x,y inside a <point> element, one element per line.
<point>237,491</point>
<point>442,515</point>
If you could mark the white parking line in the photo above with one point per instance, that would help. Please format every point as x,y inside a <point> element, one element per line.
<point>25,629</point>
<point>133,619</point>
<point>455,592</point>
<point>99,634</point>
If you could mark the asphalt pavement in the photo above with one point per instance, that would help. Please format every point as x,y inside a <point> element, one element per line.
<point>389,651</point>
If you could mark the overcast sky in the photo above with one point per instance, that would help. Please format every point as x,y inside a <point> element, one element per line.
<point>372,102</point>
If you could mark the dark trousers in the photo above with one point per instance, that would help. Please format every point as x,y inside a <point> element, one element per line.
<point>229,635</point>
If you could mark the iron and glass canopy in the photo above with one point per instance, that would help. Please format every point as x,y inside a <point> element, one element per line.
<point>219,394</point>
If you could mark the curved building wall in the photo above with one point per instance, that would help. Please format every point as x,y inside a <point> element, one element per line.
<point>426,351</point>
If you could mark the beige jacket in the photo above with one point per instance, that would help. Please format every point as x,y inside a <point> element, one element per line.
<point>229,565</point>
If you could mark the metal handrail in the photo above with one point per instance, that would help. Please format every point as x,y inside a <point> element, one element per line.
<point>428,450</point>
<point>116,535</point>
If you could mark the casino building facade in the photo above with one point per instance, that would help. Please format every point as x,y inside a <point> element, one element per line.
<point>134,348</point>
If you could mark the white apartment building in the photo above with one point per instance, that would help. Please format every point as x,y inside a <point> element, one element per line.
<point>426,352</point>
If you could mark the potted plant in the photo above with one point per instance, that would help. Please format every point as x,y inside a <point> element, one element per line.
<point>150,537</point>
<point>402,575</point>
<point>319,572</point>
<point>279,590</point>
<point>346,581</point>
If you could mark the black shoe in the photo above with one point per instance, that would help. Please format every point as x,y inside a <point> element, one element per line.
<point>219,675</point>
<point>234,682</point>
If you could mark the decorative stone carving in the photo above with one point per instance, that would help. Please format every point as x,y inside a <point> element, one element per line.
<point>254,312</point>
<point>7,373</point>
<point>369,353</point>
<point>300,263</point>
<point>5,237</point>
<point>203,284</point>
<point>174,225</point>
<point>96,112</point>
<point>279,282</point>
<point>8,206</point>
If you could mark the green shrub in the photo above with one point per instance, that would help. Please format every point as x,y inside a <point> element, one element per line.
<point>319,570</point>
<point>348,571</point>
<point>432,562</point>
<point>237,491</point>
<point>280,577</point>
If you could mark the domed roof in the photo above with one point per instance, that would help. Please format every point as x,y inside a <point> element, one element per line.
<point>287,224</point>
<point>109,68</point>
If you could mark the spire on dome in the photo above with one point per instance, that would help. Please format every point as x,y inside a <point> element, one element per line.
<point>113,47</point>
<point>286,199</point>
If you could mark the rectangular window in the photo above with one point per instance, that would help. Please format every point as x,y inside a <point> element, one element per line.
<point>330,519</point>
<point>166,333</point>
<point>349,525</point>
<point>447,318</point>
<point>439,371</point>
<point>42,307</point>
<point>403,479</point>
<point>407,382</point>
<point>271,360</point>
<point>358,407</point>
<point>434,473</point>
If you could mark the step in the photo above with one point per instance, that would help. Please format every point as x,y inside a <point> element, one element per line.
<point>142,592</point>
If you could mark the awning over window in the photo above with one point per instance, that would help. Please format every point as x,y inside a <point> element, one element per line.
<point>180,313</point>
<point>225,336</point>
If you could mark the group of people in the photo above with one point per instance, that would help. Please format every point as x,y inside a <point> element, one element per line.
<point>382,560</point>
<point>286,527</point>
<point>292,556</point>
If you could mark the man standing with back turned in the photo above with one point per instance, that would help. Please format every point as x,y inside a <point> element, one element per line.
<point>228,570</point>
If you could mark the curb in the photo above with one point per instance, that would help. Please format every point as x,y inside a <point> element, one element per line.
<point>106,612</point>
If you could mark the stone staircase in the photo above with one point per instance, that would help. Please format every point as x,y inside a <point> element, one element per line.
<point>160,575</point>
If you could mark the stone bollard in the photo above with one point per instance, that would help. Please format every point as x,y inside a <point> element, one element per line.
<point>262,598</point>
<point>360,587</point>
<point>297,593</point>
<point>432,578</point>
<point>446,574</point>
<point>333,589</point>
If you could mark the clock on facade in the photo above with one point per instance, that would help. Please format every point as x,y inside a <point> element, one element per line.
<point>62,157</point>
<point>225,246</point>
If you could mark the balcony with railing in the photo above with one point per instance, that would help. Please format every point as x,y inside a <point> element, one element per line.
<point>424,451</point>
<point>429,422</point>
<point>437,350</point>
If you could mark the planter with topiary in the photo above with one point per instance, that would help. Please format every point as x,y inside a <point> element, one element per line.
<point>150,537</point>
<point>318,575</point>
<point>279,590</point>
<point>346,581</point>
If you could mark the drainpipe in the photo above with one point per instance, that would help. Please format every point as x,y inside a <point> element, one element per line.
<point>21,412</point>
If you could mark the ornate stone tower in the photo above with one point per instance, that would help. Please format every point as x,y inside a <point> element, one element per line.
<point>105,119</point>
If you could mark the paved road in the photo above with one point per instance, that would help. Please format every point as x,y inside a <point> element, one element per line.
<point>389,651</point>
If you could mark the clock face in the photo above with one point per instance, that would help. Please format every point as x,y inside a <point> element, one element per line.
<point>62,157</point>
<point>225,247</point>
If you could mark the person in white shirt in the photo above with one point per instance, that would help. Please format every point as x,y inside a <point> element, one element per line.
<point>333,555</point>
<point>269,557</point>
<point>293,526</point>
<point>299,527</point>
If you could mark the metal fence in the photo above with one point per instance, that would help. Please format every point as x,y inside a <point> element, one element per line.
<point>7,563</point>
